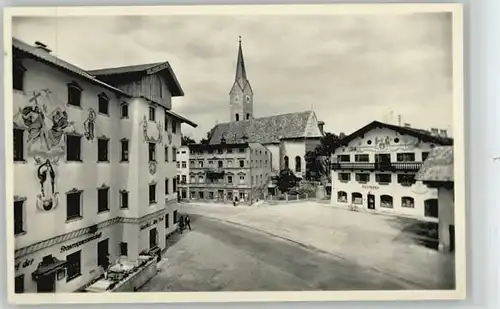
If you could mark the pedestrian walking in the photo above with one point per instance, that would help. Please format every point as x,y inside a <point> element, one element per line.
<point>188,222</point>
<point>181,224</point>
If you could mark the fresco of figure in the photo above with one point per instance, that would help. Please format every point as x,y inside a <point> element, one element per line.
<point>48,197</point>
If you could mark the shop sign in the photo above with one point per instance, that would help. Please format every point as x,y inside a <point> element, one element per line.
<point>370,187</point>
<point>80,243</point>
<point>24,264</point>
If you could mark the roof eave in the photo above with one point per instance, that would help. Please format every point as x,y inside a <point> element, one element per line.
<point>94,81</point>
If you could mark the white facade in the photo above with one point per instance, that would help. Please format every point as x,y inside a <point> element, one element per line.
<point>183,171</point>
<point>379,175</point>
<point>64,207</point>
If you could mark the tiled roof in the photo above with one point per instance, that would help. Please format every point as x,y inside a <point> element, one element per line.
<point>438,166</point>
<point>263,130</point>
<point>50,59</point>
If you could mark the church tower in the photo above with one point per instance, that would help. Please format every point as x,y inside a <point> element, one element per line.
<point>241,94</point>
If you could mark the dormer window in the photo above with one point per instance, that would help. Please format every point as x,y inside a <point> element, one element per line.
<point>103,104</point>
<point>74,94</point>
<point>18,75</point>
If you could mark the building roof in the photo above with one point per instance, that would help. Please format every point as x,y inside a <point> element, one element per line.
<point>181,118</point>
<point>424,135</point>
<point>264,130</point>
<point>438,167</point>
<point>115,75</point>
<point>48,58</point>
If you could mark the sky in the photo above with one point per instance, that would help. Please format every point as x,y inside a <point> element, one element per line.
<point>349,69</point>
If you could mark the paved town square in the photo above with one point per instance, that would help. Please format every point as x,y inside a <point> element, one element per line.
<point>297,246</point>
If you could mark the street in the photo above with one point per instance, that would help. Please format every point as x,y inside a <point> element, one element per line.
<point>220,256</point>
<point>298,246</point>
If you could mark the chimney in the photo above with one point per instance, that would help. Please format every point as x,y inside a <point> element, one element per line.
<point>321,125</point>
<point>434,132</point>
<point>407,125</point>
<point>443,133</point>
<point>40,45</point>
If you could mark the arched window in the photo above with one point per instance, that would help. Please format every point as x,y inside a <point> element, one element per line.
<point>357,198</point>
<point>407,202</point>
<point>286,161</point>
<point>386,201</point>
<point>237,117</point>
<point>248,116</point>
<point>342,197</point>
<point>298,164</point>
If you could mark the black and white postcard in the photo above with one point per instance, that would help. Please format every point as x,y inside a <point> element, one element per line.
<point>263,152</point>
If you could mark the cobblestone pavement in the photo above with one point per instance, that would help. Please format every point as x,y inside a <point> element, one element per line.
<point>221,256</point>
<point>374,241</point>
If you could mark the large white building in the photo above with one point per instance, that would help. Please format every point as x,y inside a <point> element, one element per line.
<point>287,136</point>
<point>183,171</point>
<point>94,166</point>
<point>375,167</point>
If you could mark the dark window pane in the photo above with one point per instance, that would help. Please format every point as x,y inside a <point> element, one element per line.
<point>18,145</point>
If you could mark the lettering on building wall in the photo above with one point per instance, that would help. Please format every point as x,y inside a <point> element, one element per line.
<point>157,68</point>
<point>149,224</point>
<point>24,264</point>
<point>80,243</point>
<point>370,187</point>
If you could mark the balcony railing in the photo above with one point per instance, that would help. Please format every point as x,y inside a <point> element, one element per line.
<point>393,166</point>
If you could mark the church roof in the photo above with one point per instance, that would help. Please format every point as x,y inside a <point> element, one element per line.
<point>264,130</point>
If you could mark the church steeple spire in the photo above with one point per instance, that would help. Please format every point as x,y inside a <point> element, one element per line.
<point>241,73</point>
<point>241,94</point>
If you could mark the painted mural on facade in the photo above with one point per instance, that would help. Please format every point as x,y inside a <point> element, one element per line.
<point>46,121</point>
<point>384,144</point>
<point>48,198</point>
<point>89,125</point>
<point>148,138</point>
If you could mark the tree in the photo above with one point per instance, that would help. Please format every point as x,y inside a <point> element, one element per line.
<point>186,140</point>
<point>286,180</point>
<point>318,160</point>
<point>206,140</point>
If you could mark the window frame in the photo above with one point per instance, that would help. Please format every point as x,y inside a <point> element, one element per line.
<point>74,88</point>
<point>78,272</point>
<point>103,158</point>
<point>102,98</point>
<point>106,205</point>
<point>124,153</point>
<point>18,144</point>
<point>69,150</point>
<point>80,203</point>
<point>152,194</point>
